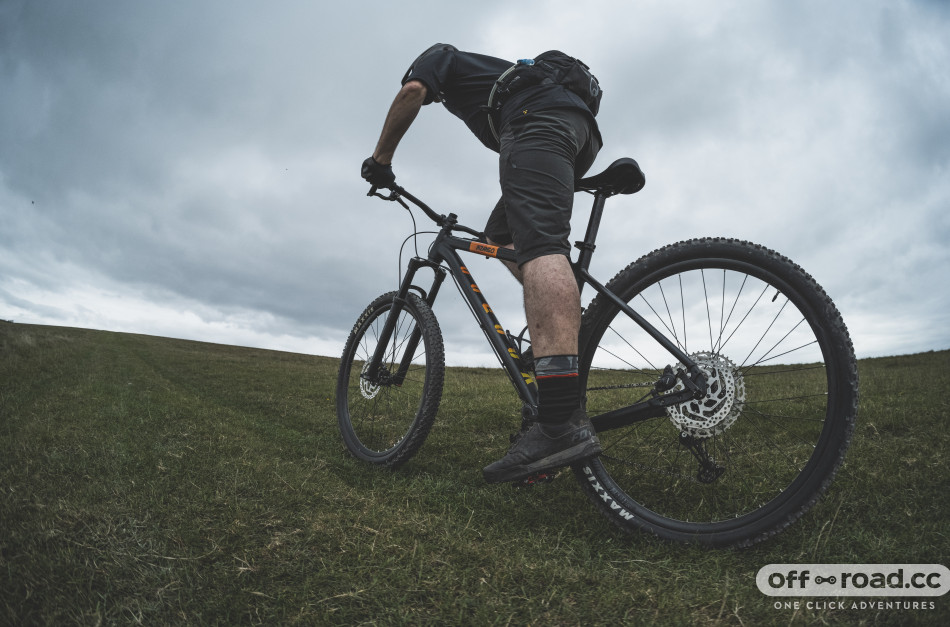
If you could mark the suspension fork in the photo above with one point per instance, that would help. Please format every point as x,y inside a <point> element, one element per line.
<point>416,336</point>
<point>389,327</point>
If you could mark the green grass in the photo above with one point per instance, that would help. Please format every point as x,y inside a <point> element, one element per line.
<point>156,481</point>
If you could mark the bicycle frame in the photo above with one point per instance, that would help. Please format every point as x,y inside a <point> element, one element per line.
<point>443,254</point>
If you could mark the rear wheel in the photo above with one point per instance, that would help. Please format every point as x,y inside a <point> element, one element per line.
<point>385,418</point>
<point>757,452</point>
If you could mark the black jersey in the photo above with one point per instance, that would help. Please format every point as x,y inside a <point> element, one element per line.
<point>462,81</point>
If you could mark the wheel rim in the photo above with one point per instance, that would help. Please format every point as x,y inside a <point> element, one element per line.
<point>382,411</point>
<point>712,466</point>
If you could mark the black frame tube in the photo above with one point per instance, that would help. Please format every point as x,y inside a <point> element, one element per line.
<point>443,254</point>
<point>443,251</point>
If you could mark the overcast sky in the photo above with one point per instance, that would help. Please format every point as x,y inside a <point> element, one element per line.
<point>191,169</point>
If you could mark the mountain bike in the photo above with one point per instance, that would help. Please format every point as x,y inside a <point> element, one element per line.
<point>719,376</point>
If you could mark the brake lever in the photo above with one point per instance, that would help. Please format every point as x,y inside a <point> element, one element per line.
<point>393,193</point>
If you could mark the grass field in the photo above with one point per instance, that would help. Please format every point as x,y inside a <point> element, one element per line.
<point>156,481</point>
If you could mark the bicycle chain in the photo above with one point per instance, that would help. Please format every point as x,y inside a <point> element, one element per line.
<point>623,386</point>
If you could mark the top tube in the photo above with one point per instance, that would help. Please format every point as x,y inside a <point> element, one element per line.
<point>397,193</point>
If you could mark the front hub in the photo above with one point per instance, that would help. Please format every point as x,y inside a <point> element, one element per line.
<point>369,389</point>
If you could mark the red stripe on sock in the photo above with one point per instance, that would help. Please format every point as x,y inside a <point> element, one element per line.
<point>556,376</point>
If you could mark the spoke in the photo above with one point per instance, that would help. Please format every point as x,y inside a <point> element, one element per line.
<point>383,421</point>
<point>781,451</point>
<point>764,373</point>
<point>777,419</point>
<point>702,274</point>
<point>764,358</point>
<point>788,352</point>
<point>788,398</point>
<point>659,317</point>
<point>625,341</point>
<point>762,431</point>
<point>740,477</point>
<point>683,312</point>
<point>722,312</point>
<point>671,441</point>
<point>720,343</point>
<point>744,318</point>
<point>764,333</point>
<point>397,344</point>
<point>669,314</point>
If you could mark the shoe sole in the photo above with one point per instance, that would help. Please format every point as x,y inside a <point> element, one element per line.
<point>577,453</point>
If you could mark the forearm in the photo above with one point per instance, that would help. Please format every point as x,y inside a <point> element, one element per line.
<point>402,112</point>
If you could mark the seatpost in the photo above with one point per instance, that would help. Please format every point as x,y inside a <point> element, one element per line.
<point>586,247</point>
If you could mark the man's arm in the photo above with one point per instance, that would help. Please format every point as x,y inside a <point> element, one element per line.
<point>401,114</point>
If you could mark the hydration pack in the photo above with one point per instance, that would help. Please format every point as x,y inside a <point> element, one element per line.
<point>551,67</point>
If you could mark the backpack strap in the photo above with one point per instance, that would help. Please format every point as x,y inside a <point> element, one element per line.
<point>500,89</point>
<point>552,66</point>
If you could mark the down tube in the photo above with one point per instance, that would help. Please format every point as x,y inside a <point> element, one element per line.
<point>507,353</point>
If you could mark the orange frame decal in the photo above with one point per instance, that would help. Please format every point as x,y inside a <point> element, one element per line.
<point>483,249</point>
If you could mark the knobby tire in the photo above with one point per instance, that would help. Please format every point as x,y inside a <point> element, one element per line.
<point>385,421</point>
<point>762,448</point>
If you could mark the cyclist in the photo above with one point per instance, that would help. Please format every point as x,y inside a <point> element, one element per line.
<point>547,138</point>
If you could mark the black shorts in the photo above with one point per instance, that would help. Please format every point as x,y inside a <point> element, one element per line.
<point>541,156</point>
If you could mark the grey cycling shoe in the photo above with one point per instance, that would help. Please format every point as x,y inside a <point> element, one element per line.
<point>545,447</point>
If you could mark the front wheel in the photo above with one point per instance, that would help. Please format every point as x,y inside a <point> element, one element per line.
<point>751,457</point>
<point>384,417</point>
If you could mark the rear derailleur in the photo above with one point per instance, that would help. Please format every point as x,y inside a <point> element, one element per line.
<point>709,470</point>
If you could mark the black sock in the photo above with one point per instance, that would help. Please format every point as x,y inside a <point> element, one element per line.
<point>558,389</point>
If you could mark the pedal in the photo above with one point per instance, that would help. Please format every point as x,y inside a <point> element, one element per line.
<point>541,477</point>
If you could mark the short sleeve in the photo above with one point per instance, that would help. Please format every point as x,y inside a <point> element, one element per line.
<point>434,71</point>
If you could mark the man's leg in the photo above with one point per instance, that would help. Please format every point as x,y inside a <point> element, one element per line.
<point>512,266</point>
<point>563,434</point>
<point>552,305</point>
<point>553,309</point>
<point>538,169</point>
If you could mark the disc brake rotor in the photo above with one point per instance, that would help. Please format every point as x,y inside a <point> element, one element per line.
<point>368,389</point>
<point>724,400</point>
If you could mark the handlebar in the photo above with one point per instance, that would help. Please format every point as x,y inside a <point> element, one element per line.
<point>397,193</point>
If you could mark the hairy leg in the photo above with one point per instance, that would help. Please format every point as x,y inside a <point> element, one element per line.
<point>513,267</point>
<point>552,305</point>
<point>551,301</point>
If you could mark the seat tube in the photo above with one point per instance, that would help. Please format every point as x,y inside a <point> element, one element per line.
<point>586,247</point>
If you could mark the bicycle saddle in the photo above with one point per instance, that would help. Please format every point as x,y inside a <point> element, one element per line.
<point>623,176</point>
